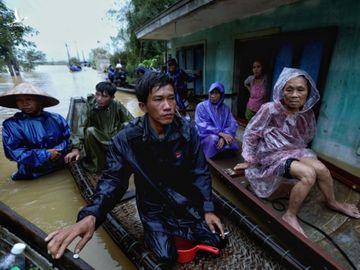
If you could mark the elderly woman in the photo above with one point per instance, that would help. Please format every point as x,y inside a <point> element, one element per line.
<point>215,123</point>
<point>274,147</point>
<point>37,140</point>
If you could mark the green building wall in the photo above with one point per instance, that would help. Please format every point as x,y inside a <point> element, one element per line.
<point>338,128</point>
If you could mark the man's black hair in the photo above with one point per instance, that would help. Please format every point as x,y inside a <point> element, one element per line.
<point>106,87</point>
<point>171,61</point>
<point>145,85</point>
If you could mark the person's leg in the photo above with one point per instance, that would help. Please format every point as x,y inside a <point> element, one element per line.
<point>163,246</point>
<point>180,101</point>
<point>95,144</point>
<point>326,185</point>
<point>307,176</point>
<point>202,234</point>
<point>249,114</point>
<point>209,145</point>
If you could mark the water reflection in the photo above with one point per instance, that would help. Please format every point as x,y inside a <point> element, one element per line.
<point>53,201</point>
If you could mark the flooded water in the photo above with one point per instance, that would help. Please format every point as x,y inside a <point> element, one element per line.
<point>52,202</point>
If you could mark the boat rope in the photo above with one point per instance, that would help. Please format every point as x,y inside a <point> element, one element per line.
<point>278,205</point>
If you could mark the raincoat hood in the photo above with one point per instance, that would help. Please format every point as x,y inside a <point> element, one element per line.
<point>220,87</point>
<point>9,98</point>
<point>290,73</point>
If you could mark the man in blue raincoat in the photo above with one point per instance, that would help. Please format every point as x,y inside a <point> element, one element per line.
<point>37,140</point>
<point>180,78</point>
<point>173,184</point>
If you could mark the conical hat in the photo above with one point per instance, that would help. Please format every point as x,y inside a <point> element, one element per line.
<point>9,98</point>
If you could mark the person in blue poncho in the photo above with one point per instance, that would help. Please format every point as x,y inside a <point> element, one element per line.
<point>141,71</point>
<point>215,123</point>
<point>111,72</point>
<point>37,140</point>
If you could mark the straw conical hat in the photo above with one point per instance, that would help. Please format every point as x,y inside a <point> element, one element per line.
<point>9,98</point>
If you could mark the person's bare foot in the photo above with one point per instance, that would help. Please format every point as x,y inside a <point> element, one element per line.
<point>347,209</point>
<point>293,222</point>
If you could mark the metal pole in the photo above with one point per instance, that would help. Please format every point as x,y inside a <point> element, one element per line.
<point>68,54</point>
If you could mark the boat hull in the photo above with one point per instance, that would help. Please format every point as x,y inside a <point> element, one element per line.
<point>248,246</point>
<point>14,228</point>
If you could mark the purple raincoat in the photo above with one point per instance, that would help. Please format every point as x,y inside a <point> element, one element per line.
<point>211,119</point>
<point>276,134</point>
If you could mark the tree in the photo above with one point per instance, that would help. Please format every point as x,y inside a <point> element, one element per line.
<point>29,58</point>
<point>119,57</point>
<point>130,17</point>
<point>100,58</point>
<point>12,40</point>
<point>74,61</point>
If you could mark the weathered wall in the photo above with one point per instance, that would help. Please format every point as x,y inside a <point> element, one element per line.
<point>338,134</point>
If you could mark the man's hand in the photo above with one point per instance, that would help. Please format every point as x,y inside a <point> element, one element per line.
<point>54,154</point>
<point>242,166</point>
<point>58,241</point>
<point>220,144</point>
<point>75,153</point>
<point>213,221</point>
<point>227,137</point>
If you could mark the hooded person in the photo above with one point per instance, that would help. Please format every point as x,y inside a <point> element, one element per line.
<point>275,146</point>
<point>215,123</point>
<point>141,71</point>
<point>37,140</point>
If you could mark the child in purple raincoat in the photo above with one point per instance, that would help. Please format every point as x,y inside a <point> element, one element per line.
<point>274,147</point>
<point>215,123</point>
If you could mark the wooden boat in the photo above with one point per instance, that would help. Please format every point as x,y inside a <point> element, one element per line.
<point>337,248</point>
<point>129,89</point>
<point>75,68</point>
<point>14,228</point>
<point>249,246</point>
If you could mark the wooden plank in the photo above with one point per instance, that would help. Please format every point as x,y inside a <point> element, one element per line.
<point>314,255</point>
<point>34,237</point>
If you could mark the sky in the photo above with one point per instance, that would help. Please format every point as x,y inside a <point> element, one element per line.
<point>82,24</point>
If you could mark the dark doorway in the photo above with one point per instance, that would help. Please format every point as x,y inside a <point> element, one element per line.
<point>191,59</point>
<point>309,50</point>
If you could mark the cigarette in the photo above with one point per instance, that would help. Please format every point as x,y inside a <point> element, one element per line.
<point>76,256</point>
<point>225,233</point>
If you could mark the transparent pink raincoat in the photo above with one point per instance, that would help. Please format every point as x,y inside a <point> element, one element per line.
<point>275,134</point>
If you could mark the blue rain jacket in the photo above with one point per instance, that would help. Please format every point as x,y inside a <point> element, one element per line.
<point>173,184</point>
<point>180,78</point>
<point>26,140</point>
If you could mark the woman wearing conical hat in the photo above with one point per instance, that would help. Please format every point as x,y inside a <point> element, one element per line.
<point>37,140</point>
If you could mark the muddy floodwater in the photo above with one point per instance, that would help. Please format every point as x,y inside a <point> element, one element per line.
<point>52,202</point>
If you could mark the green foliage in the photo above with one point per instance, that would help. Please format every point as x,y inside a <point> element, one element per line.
<point>150,63</point>
<point>119,57</point>
<point>12,39</point>
<point>74,61</point>
<point>98,54</point>
<point>132,16</point>
<point>29,58</point>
